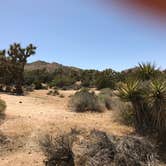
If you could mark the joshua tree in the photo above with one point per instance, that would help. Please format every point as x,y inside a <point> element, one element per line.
<point>5,69</point>
<point>15,61</point>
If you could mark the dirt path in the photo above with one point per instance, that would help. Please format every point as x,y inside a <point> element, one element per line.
<point>29,117</point>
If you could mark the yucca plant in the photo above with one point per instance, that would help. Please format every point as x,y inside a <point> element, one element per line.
<point>157,103</point>
<point>147,71</point>
<point>132,92</point>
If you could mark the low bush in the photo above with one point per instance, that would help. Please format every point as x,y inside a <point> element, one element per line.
<point>61,96</point>
<point>2,107</point>
<point>132,151</point>
<point>62,81</point>
<point>58,150</point>
<point>38,85</point>
<point>96,148</point>
<point>105,98</point>
<point>123,111</point>
<point>84,100</point>
<point>54,92</point>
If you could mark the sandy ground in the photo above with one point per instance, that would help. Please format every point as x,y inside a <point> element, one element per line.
<point>30,117</point>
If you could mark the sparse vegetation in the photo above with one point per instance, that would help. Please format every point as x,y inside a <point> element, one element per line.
<point>97,148</point>
<point>2,107</point>
<point>53,92</point>
<point>84,101</point>
<point>57,150</point>
<point>148,98</point>
<point>105,98</point>
<point>135,151</point>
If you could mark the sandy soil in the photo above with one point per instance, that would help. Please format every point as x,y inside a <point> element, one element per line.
<point>31,116</point>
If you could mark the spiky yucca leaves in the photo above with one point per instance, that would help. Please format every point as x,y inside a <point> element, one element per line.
<point>133,92</point>
<point>130,91</point>
<point>147,71</point>
<point>157,103</point>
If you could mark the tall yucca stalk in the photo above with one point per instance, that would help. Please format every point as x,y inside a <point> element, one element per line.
<point>131,92</point>
<point>157,103</point>
<point>147,71</point>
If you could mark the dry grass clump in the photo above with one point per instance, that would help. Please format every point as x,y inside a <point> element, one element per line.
<point>96,148</point>
<point>54,92</point>
<point>58,150</point>
<point>83,101</point>
<point>135,151</point>
<point>105,98</point>
<point>123,111</point>
<point>2,107</point>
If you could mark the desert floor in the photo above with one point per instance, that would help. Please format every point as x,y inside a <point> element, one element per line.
<point>30,117</point>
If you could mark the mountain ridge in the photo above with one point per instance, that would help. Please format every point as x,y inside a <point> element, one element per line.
<point>50,67</point>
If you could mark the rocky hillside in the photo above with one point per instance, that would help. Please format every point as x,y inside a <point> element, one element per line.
<point>50,67</point>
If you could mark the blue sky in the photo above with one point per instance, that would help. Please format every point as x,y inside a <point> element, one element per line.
<point>82,33</point>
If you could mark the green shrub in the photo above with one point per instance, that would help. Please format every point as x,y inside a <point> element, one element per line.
<point>38,85</point>
<point>127,115</point>
<point>124,111</point>
<point>105,97</point>
<point>107,79</point>
<point>2,107</point>
<point>62,81</point>
<point>54,92</point>
<point>84,100</point>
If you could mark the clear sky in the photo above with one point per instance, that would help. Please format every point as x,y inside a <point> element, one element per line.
<point>82,33</point>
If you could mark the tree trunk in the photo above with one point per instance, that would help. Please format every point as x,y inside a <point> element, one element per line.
<point>19,81</point>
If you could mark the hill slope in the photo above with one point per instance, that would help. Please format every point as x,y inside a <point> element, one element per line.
<point>50,67</point>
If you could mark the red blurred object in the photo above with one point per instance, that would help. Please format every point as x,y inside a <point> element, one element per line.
<point>150,6</point>
<point>154,6</point>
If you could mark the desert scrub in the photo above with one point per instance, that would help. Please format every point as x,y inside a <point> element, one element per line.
<point>105,97</point>
<point>83,101</point>
<point>58,150</point>
<point>123,111</point>
<point>97,148</point>
<point>2,107</point>
<point>54,92</point>
<point>133,150</point>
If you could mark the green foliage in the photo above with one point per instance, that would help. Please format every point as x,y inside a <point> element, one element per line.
<point>88,77</point>
<point>2,107</point>
<point>148,100</point>
<point>105,98</point>
<point>131,91</point>
<point>127,115</point>
<point>30,77</point>
<point>12,64</point>
<point>147,71</point>
<point>38,85</point>
<point>61,81</point>
<point>156,98</point>
<point>124,112</point>
<point>107,79</point>
<point>84,100</point>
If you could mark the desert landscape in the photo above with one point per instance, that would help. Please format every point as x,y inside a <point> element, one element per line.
<point>83,83</point>
<point>29,117</point>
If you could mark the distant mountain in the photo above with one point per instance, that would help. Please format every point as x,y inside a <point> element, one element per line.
<point>50,67</point>
<point>131,70</point>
